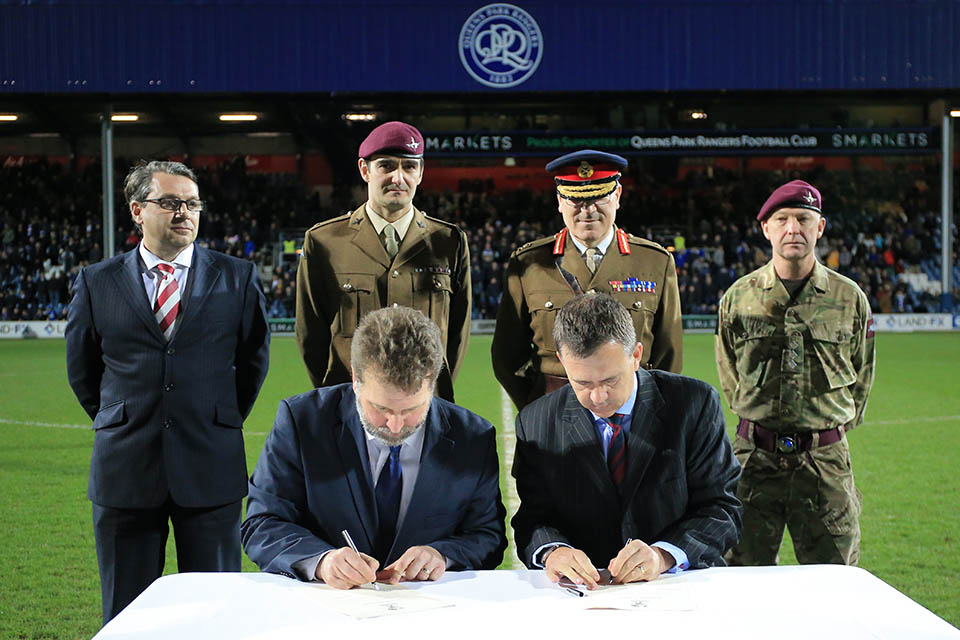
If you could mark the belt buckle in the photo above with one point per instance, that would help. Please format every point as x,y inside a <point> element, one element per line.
<point>787,444</point>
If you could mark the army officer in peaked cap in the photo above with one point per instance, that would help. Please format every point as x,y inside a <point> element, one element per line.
<point>590,254</point>
<point>385,253</point>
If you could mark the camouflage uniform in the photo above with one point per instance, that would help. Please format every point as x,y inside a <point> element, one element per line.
<point>639,273</point>
<point>801,369</point>
<point>345,273</point>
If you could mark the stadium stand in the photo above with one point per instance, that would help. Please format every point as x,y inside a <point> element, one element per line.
<point>883,230</point>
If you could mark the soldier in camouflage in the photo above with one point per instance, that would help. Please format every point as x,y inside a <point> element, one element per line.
<point>795,354</point>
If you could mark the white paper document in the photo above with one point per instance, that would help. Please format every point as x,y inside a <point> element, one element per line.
<point>366,602</point>
<point>661,595</point>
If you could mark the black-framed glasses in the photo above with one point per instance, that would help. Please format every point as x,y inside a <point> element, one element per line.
<point>174,204</point>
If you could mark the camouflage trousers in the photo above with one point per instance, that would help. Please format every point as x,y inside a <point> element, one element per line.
<point>811,493</point>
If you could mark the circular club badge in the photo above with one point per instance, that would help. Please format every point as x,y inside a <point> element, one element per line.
<point>500,45</point>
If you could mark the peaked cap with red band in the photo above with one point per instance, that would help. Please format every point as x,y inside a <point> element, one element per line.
<point>587,174</point>
<point>793,194</point>
<point>393,139</point>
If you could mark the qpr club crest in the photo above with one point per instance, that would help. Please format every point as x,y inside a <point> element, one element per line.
<point>500,45</point>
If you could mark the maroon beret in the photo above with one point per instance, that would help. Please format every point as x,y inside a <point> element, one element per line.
<point>793,194</point>
<point>394,139</point>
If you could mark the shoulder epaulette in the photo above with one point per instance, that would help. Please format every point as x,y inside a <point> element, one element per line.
<point>637,241</point>
<point>441,222</point>
<point>325,223</point>
<point>534,244</point>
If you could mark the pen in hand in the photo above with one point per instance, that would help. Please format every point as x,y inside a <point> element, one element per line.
<point>346,536</point>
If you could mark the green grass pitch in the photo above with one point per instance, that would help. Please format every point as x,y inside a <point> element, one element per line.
<point>49,586</point>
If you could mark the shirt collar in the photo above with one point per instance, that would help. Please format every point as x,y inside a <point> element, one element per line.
<point>414,440</point>
<point>183,260</point>
<point>603,246</point>
<point>400,225</point>
<point>627,408</point>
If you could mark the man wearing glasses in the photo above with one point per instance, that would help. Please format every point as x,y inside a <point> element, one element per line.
<point>590,254</point>
<point>386,253</point>
<point>167,346</point>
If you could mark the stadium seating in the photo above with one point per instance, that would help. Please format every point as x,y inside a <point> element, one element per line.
<point>883,230</point>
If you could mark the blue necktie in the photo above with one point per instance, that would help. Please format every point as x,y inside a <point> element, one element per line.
<point>388,489</point>
<point>617,450</point>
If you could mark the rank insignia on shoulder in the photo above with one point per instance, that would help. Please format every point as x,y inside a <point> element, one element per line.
<point>634,285</point>
<point>434,269</point>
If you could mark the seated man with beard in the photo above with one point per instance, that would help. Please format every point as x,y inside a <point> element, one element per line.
<point>412,478</point>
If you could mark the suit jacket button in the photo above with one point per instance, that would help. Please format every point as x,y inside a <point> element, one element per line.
<point>437,284</point>
<point>171,351</point>
<point>637,304</point>
<point>395,274</point>
<point>548,304</point>
<point>347,286</point>
<point>167,423</point>
<point>168,387</point>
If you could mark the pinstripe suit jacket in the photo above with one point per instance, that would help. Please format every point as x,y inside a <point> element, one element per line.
<point>167,415</point>
<point>680,484</point>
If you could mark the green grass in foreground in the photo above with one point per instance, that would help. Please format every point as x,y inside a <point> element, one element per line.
<point>50,587</point>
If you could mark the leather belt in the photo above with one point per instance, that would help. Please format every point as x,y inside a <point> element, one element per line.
<point>553,382</point>
<point>778,442</point>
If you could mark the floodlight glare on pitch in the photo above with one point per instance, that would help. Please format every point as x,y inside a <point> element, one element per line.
<point>124,117</point>
<point>8,117</point>
<point>238,117</point>
<point>955,113</point>
<point>360,117</point>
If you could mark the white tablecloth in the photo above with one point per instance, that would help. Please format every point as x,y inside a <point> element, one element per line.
<point>819,601</point>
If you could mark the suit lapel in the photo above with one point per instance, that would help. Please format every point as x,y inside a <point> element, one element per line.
<point>578,439</point>
<point>353,457</point>
<point>437,448</point>
<point>130,282</point>
<point>414,240</point>
<point>645,426</point>
<point>201,280</point>
<point>366,239</point>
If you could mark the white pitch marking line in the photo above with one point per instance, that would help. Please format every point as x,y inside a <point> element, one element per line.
<point>508,442</point>
<point>64,425</point>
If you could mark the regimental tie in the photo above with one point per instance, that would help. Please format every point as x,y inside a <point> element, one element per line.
<point>617,449</point>
<point>390,241</point>
<point>593,257</point>
<point>167,307</point>
<point>388,490</point>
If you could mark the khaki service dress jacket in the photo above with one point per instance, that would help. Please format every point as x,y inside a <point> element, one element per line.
<point>345,272</point>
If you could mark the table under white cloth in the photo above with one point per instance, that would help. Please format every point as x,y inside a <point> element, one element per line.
<point>813,601</point>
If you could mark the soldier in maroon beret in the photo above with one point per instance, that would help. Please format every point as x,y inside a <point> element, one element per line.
<point>795,354</point>
<point>385,253</point>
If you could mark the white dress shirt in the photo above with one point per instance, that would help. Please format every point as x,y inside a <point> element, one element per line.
<point>181,269</point>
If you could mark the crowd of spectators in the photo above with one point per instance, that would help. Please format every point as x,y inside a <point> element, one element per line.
<point>883,230</point>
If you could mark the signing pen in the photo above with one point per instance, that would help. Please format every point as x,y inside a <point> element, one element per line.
<point>346,536</point>
<point>574,592</point>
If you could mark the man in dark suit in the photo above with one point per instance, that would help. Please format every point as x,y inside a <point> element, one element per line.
<point>622,468</point>
<point>167,347</point>
<point>411,477</point>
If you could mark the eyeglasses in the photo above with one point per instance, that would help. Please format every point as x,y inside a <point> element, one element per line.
<point>174,204</point>
<point>583,204</point>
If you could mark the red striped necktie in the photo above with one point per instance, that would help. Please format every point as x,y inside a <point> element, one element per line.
<point>167,306</point>
<point>617,449</point>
